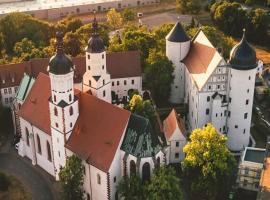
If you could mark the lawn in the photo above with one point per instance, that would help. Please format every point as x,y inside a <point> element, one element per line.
<point>16,191</point>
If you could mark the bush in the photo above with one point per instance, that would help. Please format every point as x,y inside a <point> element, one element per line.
<point>4,182</point>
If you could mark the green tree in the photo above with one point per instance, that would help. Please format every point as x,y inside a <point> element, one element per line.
<point>114,18</point>
<point>73,44</point>
<point>69,24</point>
<point>188,6</point>
<point>229,17</point>
<point>160,33</point>
<point>164,184</point>
<point>24,46</point>
<point>71,178</point>
<point>131,188</point>
<point>141,107</point>
<point>217,38</point>
<point>159,76</point>
<point>208,164</point>
<point>128,15</point>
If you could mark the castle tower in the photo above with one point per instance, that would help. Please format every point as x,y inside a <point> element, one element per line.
<point>96,78</point>
<point>242,74</point>
<point>177,48</point>
<point>63,105</point>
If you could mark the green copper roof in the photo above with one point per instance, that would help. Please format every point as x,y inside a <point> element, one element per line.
<point>25,85</point>
<point>140,140</point>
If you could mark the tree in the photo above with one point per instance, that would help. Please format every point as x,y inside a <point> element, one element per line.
<point>217,38</point>
<point>128,15</point>
<point>131,188</point>
<point>24,46</point>
<point>208,164</point>
<point>159,76</point>
<point>229,17</point>
<point>73,44</point>
<point>160,33</point>
<point>71,178</point>
<point>69,24</point>
<point>164,184</point>
<point>188,6</point>
<point>114,18</point>
<point>141,107</point>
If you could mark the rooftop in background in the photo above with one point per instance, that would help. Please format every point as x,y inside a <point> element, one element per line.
<point>254,155</point>
<point>26,6</point>
<point>264,194</point>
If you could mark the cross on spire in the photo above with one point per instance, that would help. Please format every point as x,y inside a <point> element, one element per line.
<point>95,25</point>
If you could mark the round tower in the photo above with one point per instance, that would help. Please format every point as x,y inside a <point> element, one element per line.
<point>96,79</point>
<point>177,48</point>
<point>242,74</point>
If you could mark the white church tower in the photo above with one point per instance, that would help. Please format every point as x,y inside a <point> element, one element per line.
<point>96,78</point>
<point>177,48</point>
<point>63,104</point>
<point>242,74</point>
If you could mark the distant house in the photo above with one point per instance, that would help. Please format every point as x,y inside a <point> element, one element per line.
<point>175,134</point>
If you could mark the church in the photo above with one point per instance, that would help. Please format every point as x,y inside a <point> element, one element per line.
<point>59,117</point>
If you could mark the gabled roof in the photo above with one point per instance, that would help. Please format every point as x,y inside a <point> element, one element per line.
<point>140,140</point>
<point>35,109</point>
<point>177,34</point>
<point>25,85</point>
<point>98,131</point>
<point>202,59</point>
<point>171,123</point>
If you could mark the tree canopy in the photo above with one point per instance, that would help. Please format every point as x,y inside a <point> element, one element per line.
<point>71,178</point>
<point>188,6</point>
<point>208,164</point>
<point>114,18</point>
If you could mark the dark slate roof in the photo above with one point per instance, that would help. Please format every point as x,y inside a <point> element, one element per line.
<point>177,34</point>
<point>95,45</point>
<point>243,56</point>
<point>140,140</point>
<point>60,63</point>
<point>254,155</point>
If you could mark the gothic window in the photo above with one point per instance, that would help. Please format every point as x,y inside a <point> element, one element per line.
<point>27,136</point>
<point>71,110</point>
<point>69,97</point>
<point>54,98</point>
<point>132,167</point>
<point>49,155</point>
<point>55,111</point>
<point>158,162</point>
<point>146,172</point>
<point>38,144</point>
<point>98,179</point>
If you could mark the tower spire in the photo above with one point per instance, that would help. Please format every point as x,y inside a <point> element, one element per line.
<point>59,42</point>
<point>95,25</point>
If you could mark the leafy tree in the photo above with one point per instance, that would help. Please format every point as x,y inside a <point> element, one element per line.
<point>73,44</point>
<point>160,33</point>
<point>217,38</point>
<point>141,107</point>
<point>159,75</point>
<point>114,18</point>
<point>131,188</point>
<point>71,178</point>
<point>229,17</point>
<point>69,24</point>
<point>24,46</point>
<point>208,164</point>
<point>164,184</point>
<point>128,15</point>
<point>188,6</point>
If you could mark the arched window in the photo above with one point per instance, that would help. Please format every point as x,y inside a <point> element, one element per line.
<point>98,179</point>
<point>71,110</point>
<point>158,162</point>
<point>54,98</point>
<point>132,167</point>
<point>88,196</point>
<point>55,111</point>
<point>27,136</point>
<point>69,97</point>
<point>49,155</point>
<point>38,144</point>
<point>146,172</point>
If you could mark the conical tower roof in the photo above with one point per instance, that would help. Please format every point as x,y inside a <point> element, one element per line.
<point>177,34</point>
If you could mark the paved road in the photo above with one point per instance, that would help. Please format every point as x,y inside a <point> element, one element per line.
<point>30,178</point>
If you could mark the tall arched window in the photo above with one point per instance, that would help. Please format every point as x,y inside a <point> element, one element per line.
<point>132,167</point>
<point>71,110</point>
<point>38,144</point>
<point>98,179</point>
<point>27,136</point>
<point>49,155</point>
<point>146,172</point>
<point>158,162</point>
<point>54,98</point>
<point>55,111</point>
<point>70,97</point>
<point>88,196</point>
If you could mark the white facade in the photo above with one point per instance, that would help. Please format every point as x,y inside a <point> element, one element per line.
<point>7,95</point>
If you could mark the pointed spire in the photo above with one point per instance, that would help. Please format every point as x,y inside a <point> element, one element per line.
<point>177,34</point>
<point>59,42</point>
<point>95,25</point>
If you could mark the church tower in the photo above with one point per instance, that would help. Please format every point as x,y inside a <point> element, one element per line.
<point>242,74</point>
<point>63,104</point>
<point>96,78</point>
<point>177,48</point>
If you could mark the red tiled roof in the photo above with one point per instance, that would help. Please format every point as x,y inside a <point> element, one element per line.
<point>98,131</point>
<point>199,58</point>
<point>171,123</point>
<point>119,65</point>
<point>35,109</point>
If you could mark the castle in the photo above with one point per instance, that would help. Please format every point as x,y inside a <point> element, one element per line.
<point>59,117</point>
